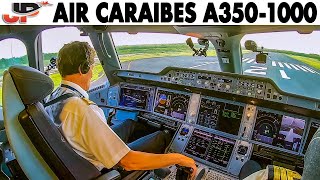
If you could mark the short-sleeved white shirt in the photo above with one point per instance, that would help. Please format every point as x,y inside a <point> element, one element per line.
<point>84,126</point>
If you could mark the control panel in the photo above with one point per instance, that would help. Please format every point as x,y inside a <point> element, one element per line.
<point>238,121</point>
<point>220,134</point>
<point>242,85</point>
<point>213,150</point>
<point>220,115</point>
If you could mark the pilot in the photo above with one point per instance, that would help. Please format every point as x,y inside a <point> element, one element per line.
<point>84,126</point>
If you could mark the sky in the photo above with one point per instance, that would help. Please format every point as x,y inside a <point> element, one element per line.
<point>54,39</point>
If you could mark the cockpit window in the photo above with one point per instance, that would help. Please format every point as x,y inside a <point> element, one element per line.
<point>12,52</point>
<point>53,40</point>
<point>292,60</point>
<point>152,52</point>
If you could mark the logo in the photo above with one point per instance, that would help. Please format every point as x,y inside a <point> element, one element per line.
<point>24,10</point>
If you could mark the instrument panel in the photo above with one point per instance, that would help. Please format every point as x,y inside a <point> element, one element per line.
<point>210,147</point>
<point>217,132</point>
<point>136,97</point>
<point>172,104</point>
<point>222,116</point>
<point>279,130</point>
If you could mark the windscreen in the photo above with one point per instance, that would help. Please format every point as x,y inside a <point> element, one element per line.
<point>292,60</point>
<point>152,52</point>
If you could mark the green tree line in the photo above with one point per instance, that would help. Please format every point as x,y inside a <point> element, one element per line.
<point>314,56</point>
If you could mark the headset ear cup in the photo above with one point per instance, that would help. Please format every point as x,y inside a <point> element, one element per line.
<point>85,68</point>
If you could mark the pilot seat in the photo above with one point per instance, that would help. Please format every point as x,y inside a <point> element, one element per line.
<point>39,147</point>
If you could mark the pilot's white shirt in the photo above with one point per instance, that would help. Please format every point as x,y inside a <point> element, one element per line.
<point>85,128</point>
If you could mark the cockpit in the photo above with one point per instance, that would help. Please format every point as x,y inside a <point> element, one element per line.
<point>223,105</point>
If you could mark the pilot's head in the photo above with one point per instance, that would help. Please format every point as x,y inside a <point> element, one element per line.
<point>75,63</point>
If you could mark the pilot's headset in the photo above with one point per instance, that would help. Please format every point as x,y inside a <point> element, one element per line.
<point>85,65</point>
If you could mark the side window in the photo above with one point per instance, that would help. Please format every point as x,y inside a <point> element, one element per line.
<point>53,40</point>
<point>12,52</point>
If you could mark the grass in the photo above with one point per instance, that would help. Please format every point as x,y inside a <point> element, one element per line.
<point>136,52</point>
<point>97,73</point>
<point>153,48</point>
<point>134,57</point>
<point>56,78</point>
<point>310,61</point>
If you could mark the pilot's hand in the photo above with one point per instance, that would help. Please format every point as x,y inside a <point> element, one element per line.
<point>188,162</point>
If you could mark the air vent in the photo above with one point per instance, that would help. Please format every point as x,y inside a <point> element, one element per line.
<point>96,88</point>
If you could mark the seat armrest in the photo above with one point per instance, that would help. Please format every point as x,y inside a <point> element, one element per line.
<point>112,175</point>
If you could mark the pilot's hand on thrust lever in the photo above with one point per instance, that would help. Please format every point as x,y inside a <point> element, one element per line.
<point>188,162</point>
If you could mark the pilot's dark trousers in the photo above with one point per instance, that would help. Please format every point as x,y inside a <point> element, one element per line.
<point>152,143</point>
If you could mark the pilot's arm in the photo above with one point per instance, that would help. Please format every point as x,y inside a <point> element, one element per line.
<point>101,146</point>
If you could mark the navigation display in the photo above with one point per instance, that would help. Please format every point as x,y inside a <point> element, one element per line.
<point>135,97</point>
<point>279,130</point>
<point>220,116</point>
<point>210,147</point>
<point>313,128</point>
<point>172,104</point>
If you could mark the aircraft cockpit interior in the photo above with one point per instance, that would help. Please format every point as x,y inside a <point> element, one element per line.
<point>220,118</point>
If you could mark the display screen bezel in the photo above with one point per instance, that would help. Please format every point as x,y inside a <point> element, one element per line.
<point>223,101</point>
<point>173,91</point>
<point>208,162</point>
<point>307,134</point>
<point>306,128</point>
<point>150,100</point>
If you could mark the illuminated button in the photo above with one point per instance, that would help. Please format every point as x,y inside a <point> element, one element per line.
<point>184,131</point>
<point>248,115</point>
<point>227,86</point>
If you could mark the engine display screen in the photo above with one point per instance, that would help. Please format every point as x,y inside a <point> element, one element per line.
<point>220,116</point>
<point>172,104</point>
<point>210,147</point>
<point>135,97</point>
<point>313,128</point>
<point>279,130</point>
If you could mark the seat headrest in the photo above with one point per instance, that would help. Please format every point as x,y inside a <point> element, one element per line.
<point>32,85</point>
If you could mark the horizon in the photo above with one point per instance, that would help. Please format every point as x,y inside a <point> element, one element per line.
<point>306,43</point>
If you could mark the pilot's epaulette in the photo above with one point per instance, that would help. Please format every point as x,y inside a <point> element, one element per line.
<point>89,102</point>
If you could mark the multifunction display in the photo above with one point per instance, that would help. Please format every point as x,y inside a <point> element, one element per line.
<point>220,116</point>
<point>134,96</point>
<point>172,104</point>
<point>279,130</point>
<point>210,147</point>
